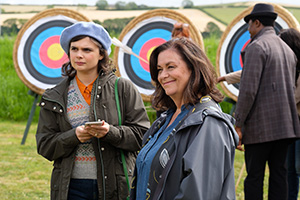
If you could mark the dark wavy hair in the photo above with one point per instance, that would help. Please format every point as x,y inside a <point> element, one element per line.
<point>203,77</point>
<point>292,38</point>
<point>105,64</point>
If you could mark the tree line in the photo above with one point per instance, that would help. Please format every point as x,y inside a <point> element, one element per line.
<point>121,5</point>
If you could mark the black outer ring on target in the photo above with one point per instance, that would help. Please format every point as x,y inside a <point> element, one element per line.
<point>127,63</point>
<point>31,69</point>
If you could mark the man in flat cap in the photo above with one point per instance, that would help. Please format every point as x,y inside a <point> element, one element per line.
<point>266,114</point>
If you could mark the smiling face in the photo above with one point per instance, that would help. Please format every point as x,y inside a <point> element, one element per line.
<point>173,74</point>
<point>84,56</point>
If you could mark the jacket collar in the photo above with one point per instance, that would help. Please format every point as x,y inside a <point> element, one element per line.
<point>265,30</point>
<point>195,118</point>
<point>59,92</point>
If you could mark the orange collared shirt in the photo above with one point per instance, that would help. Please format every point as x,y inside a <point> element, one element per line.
<point>85,90</point>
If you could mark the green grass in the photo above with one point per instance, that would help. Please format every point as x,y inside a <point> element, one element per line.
<point>227,14</point>
<point>295,12</point>
<point>26,175</point>
<point>224,15</point>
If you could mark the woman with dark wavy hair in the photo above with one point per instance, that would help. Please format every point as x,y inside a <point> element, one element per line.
<point>188,152</point>
<point>292,38</point>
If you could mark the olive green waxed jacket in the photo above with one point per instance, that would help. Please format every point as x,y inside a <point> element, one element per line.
<point>57,141</point>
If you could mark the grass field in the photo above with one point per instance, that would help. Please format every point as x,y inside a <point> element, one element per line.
<point>227,14</point>
<point>23,174</point>
<point>295,12</point>
<point>26,175</point>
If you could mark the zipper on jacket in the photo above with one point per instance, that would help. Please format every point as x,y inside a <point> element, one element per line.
<point>99,142</point>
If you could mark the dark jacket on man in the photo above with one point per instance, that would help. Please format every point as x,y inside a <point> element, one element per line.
<point>266,108</point>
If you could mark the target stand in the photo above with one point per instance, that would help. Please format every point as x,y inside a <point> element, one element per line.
<point>37,53</point>
<point>143,34</point>
<point>235,39</point>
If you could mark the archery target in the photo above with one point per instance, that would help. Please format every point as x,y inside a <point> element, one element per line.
<point>235,39</point>
<point>143,35</point>
<point>38,56</point>
<point>142,40</point>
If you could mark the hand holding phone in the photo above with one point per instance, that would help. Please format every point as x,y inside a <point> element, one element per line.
<point>100,129</point>
<point>94,123</point>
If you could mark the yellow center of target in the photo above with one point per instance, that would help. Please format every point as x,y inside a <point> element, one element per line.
<point>55,52</point>
<point>149,52</point>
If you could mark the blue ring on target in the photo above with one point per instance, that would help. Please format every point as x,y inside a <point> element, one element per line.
<point>132,66</point>
<point>31,50</point>
<point>236,53</point>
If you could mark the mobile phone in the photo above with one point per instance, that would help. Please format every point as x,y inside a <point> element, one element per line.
<point>94,123</point>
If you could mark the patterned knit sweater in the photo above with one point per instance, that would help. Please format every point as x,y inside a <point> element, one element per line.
<point>78,114</point>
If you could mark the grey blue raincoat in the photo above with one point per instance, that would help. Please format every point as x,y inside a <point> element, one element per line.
<point>200,157</point>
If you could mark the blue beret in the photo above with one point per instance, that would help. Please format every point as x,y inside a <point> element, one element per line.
<point>90,29</point>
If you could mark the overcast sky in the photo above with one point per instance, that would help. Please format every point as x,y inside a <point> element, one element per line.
<point>157,3</point>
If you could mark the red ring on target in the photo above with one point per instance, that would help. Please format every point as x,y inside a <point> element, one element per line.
<point>51,53</point>
<point>147,49</point>
<point>241,61</point>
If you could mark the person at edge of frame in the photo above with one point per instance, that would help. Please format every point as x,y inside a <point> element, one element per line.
<point>266,114</point>
<point>292,37</point>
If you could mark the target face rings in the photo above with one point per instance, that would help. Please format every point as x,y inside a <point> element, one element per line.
<point>235,39</point>
<point>37,55</point>
<point>142,35</point>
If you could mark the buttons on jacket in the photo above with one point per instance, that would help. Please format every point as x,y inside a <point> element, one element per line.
<point>99,87</point>
<point>52,106</point>
<point>102,148</point>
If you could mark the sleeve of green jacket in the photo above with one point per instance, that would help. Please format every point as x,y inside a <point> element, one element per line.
<point>55,137</point>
